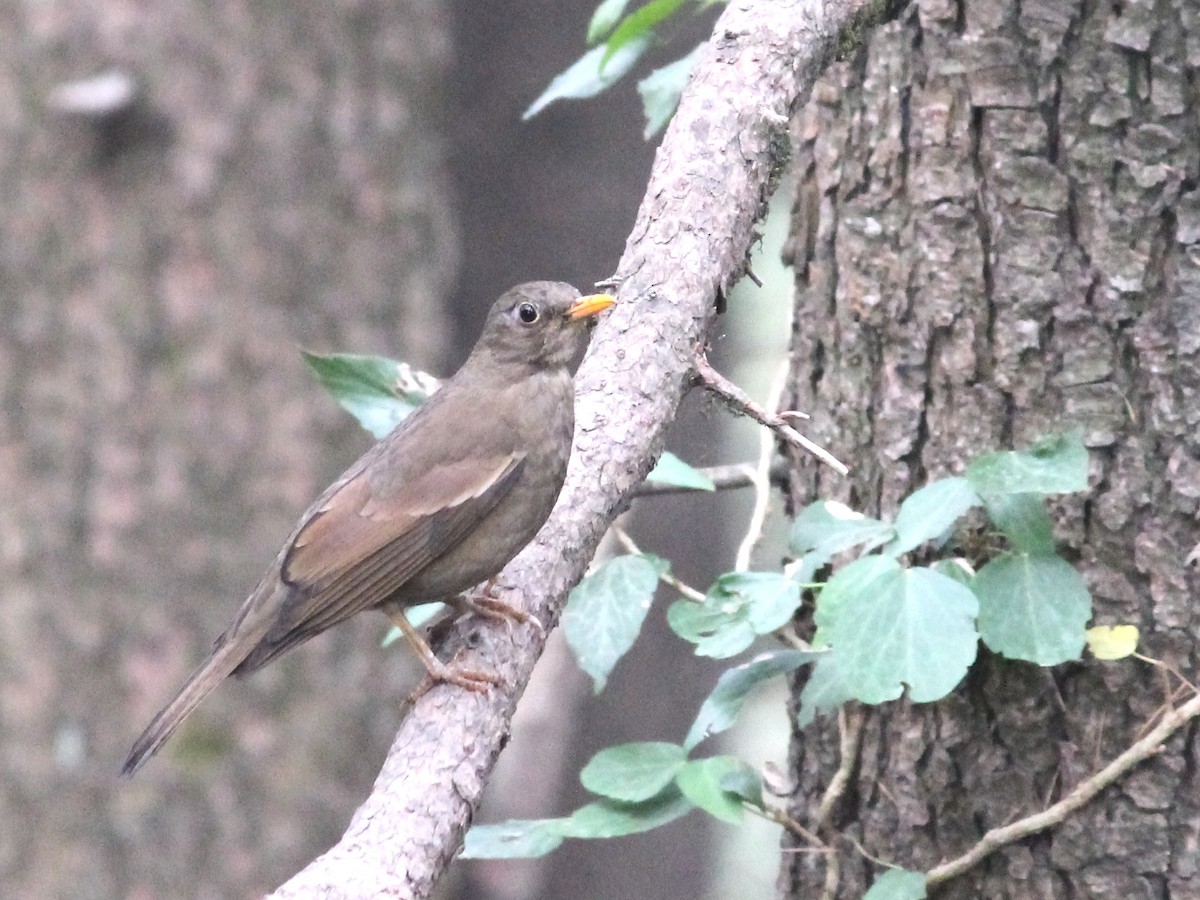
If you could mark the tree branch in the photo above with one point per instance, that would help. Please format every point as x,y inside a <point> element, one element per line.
<point>710,181</point>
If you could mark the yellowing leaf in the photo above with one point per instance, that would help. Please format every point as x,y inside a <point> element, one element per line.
<point>1112,641</point>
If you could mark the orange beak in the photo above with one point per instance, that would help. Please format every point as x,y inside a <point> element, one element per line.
<point>590,306</point>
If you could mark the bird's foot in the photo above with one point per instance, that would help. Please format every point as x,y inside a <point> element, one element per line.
<point>437,672</point>
<point>483,604</point>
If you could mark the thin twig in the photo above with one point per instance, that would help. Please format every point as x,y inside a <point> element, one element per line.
<point>740,402</point>
<point>1168,667</point>
<point>790,825</point>
<point>686,590</point>
<point>862,851</point>
<point>850,726</point>
<point>833,875</point>
<point>762,477</point>
<point>1084,792</point>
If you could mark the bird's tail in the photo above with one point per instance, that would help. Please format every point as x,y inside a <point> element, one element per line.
<point>223,660</point>
<point>248,629</point>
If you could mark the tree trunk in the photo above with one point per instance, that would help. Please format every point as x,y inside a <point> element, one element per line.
<point>277,182</point>
<point>996,239</point>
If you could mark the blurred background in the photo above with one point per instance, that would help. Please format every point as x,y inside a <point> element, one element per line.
<point>189,193</point>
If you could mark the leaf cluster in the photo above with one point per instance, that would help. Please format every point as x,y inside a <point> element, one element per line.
<point>883,623</point>
<point>617,41</point>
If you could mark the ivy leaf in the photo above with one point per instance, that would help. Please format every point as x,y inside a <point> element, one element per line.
<point>378,392</point>
<point>847,582</point>
<point>720,708</point>
<point>604,19</point>
<point>826,528</point>
<point>611,818</point>
<point>1032,607</point>
<point>633,772</point>
<point>1057,465</point>
<point>958,569</point>
<point>824,691</point>
<point>674,471</point>
<point>745,784</point>
<point>1024,521</point>
<point>514,839</point>
<point>897,884</point>
<point>716,632</point>
<point>1110,642</point>
<point>931,512</point>
<point>590,74</point>
<point>660,92</point>
<point>605,612</point>
<point>902,627</point>
<point>639,25</point>
<point>700,781</point>
<point>738,607</point>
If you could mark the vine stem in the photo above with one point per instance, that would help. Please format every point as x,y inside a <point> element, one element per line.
<point>997,838</point>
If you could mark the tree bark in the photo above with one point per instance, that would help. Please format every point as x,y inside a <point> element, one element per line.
<point>996,239</point>
<point>277,181</point>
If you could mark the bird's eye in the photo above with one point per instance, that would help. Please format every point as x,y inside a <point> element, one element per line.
<point>527,313</point>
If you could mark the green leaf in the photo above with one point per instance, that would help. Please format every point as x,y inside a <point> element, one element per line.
<point>897,884</point>
<point>611,818</point>
<point>1024,521</point>
<point>1033,607</point>
<point>958,569</point>
<point>849,581</point>
<point>772,597</point>
<point>1057,465</point>
<point>739,606</point>
<point>721,707</point>
<point>902,627</point>
<point>639,25</point>
<point>515,839</point>
<point>378,392</point>
<point>824,691</point>
<point>674,471</point>
<point>605,612</point>
<point>604,19</point>
<point>700,781</point>
<point>826,528</point>
<point>745,784</point>
<point>931,512</point>
<point>633,772</point>
<point>714,631</point>
<point>524,838</point>
<point>589,75</point>
<point>661,89</point>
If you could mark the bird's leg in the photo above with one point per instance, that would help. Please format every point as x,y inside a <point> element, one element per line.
<point>438,671</point>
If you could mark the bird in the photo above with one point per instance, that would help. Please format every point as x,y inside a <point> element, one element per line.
<point>438,506</point>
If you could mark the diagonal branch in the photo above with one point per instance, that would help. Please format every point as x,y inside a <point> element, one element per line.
<point>709,184</point>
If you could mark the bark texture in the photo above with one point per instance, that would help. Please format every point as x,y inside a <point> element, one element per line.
<point>689,242</point>
<point>997,237</point>
<point>278,183</point>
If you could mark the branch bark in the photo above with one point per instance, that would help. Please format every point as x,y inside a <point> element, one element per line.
<point>711,178</point>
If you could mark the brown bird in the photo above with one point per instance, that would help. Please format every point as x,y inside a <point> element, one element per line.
<point>436,507</point>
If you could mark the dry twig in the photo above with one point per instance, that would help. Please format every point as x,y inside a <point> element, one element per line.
<point>741,402</point>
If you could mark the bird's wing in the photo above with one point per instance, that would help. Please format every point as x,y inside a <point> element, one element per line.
<point>360,547</point>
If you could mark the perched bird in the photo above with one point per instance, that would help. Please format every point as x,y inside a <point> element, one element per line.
<point>436,507</point>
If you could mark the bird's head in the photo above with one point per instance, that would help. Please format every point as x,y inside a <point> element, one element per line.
<point>542,324</point>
